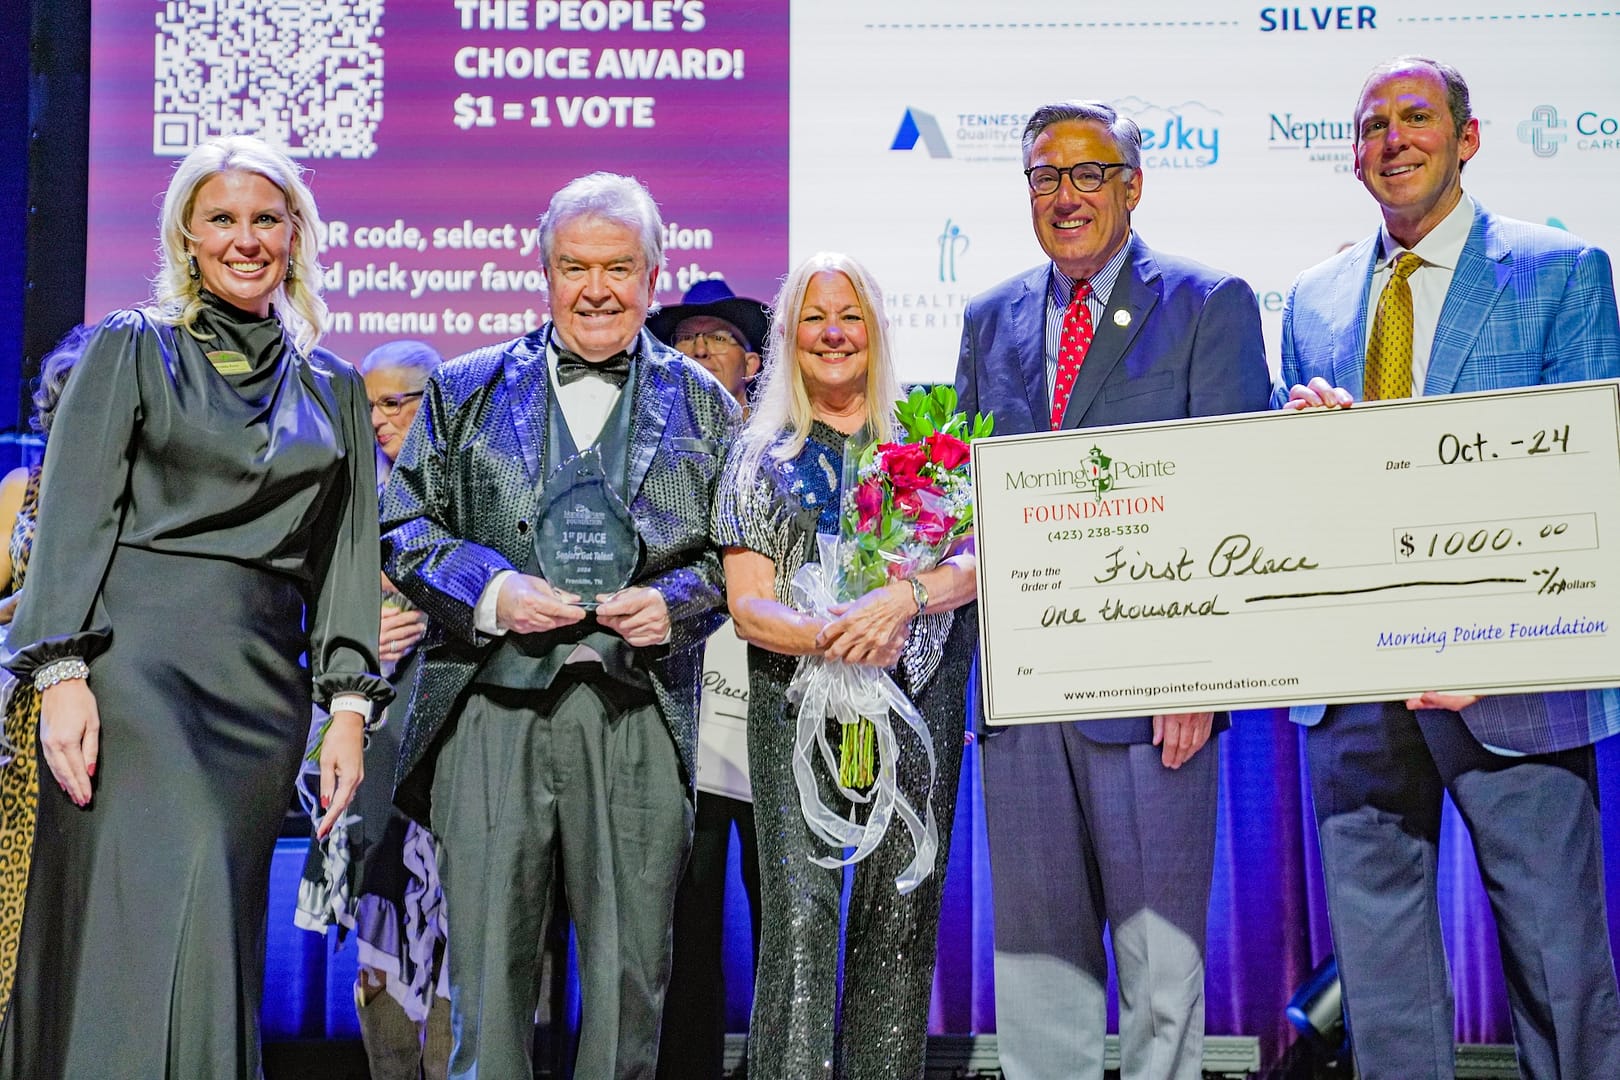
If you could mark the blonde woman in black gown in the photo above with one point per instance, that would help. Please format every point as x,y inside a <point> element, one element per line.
<point>207,557</point>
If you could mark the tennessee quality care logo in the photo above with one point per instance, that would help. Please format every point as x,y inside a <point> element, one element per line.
<point>964,135</point>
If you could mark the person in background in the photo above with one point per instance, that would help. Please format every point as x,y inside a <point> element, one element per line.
<point>19,779</point>
<point>206,563</point>
<point>1103,823</point>
<point>395,906</point>
<point>720,330</point>
<point>723,332</point>
<point>830,378</point>
<point>544,739</point>
<point>1446,298</point>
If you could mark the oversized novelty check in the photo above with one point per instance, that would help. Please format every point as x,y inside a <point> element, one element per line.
<point>1368,554</point>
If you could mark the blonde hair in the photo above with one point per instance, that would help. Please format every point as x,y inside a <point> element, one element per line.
<point>178,297</point>
<point>782,412</point>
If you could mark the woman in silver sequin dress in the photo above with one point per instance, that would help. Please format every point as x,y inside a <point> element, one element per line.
<point>828,376</point>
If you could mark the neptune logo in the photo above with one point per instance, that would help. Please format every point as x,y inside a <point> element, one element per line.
<point>916,124</point>
<point>1185,136</point>
<point>1540,131</point>
<point>952,242</point>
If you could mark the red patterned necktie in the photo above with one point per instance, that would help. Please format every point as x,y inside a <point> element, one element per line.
<point>1072,346</point>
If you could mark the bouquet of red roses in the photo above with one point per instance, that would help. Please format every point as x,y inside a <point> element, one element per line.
<point>904,507</point>
<point>905,504</point>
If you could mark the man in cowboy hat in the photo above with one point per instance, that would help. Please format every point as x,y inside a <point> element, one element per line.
<point>720,330</point>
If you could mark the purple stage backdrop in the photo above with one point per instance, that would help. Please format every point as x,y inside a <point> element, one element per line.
<point>436,130</point>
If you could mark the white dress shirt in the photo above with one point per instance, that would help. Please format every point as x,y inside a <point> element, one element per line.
<point>1439,250</point>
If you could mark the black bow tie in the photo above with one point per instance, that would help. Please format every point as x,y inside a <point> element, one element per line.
<point>615,369</point>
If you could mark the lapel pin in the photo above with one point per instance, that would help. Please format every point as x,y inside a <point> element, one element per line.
<point>1122,318</point>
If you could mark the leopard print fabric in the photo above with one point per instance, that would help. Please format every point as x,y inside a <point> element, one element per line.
<point>19,781</point>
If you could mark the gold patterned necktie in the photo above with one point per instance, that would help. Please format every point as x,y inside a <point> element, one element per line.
<point>1389,348</point>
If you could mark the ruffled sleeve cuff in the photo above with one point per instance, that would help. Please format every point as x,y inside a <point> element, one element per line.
<point>86,646</point>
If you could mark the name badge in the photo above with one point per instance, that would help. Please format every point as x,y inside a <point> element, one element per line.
<point>230,363</point>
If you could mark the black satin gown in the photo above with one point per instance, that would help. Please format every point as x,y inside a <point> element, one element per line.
<point>209,537</point>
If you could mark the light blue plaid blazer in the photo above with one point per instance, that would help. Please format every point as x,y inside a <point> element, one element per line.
<point>1528,306</point>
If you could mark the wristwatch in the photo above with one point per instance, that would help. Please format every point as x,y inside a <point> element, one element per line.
<point>919,593</point>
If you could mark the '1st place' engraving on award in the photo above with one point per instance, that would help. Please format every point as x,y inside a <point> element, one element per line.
<point>587,542</point>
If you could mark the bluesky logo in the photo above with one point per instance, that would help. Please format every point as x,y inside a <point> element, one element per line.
<point>1185,136</point>
<point>952,242</point>
<point>915,125</point>
<point>1541,131</point>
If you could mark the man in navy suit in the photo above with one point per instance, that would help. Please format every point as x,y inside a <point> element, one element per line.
<point>1106,822</point>
<point>1494,303</point>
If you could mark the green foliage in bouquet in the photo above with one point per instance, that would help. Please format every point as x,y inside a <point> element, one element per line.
<point>905,504</point>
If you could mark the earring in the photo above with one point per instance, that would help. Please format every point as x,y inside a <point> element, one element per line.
<point>193,271</point>
<point>291,277</point>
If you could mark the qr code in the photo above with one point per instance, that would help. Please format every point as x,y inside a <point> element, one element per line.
<point>306,75</point>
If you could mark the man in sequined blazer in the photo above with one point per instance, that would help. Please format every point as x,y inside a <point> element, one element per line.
<point>543,738</point>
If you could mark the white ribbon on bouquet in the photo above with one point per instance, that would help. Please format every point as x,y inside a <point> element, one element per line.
<point>849,692</point>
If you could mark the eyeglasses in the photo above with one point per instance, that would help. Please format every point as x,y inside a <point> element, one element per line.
<point>1084,175</point>
<point>711,339</point>
<point>390,404</point>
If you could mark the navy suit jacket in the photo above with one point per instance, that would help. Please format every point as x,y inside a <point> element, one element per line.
<point>1191,347</point>
<point>1528,306</point>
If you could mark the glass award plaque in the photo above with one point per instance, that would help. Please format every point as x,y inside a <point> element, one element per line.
<point>587,542</point>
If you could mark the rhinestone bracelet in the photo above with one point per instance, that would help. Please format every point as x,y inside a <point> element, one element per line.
<point>69,667</point>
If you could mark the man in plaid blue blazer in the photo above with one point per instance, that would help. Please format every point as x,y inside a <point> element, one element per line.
<point>1495,303</point>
